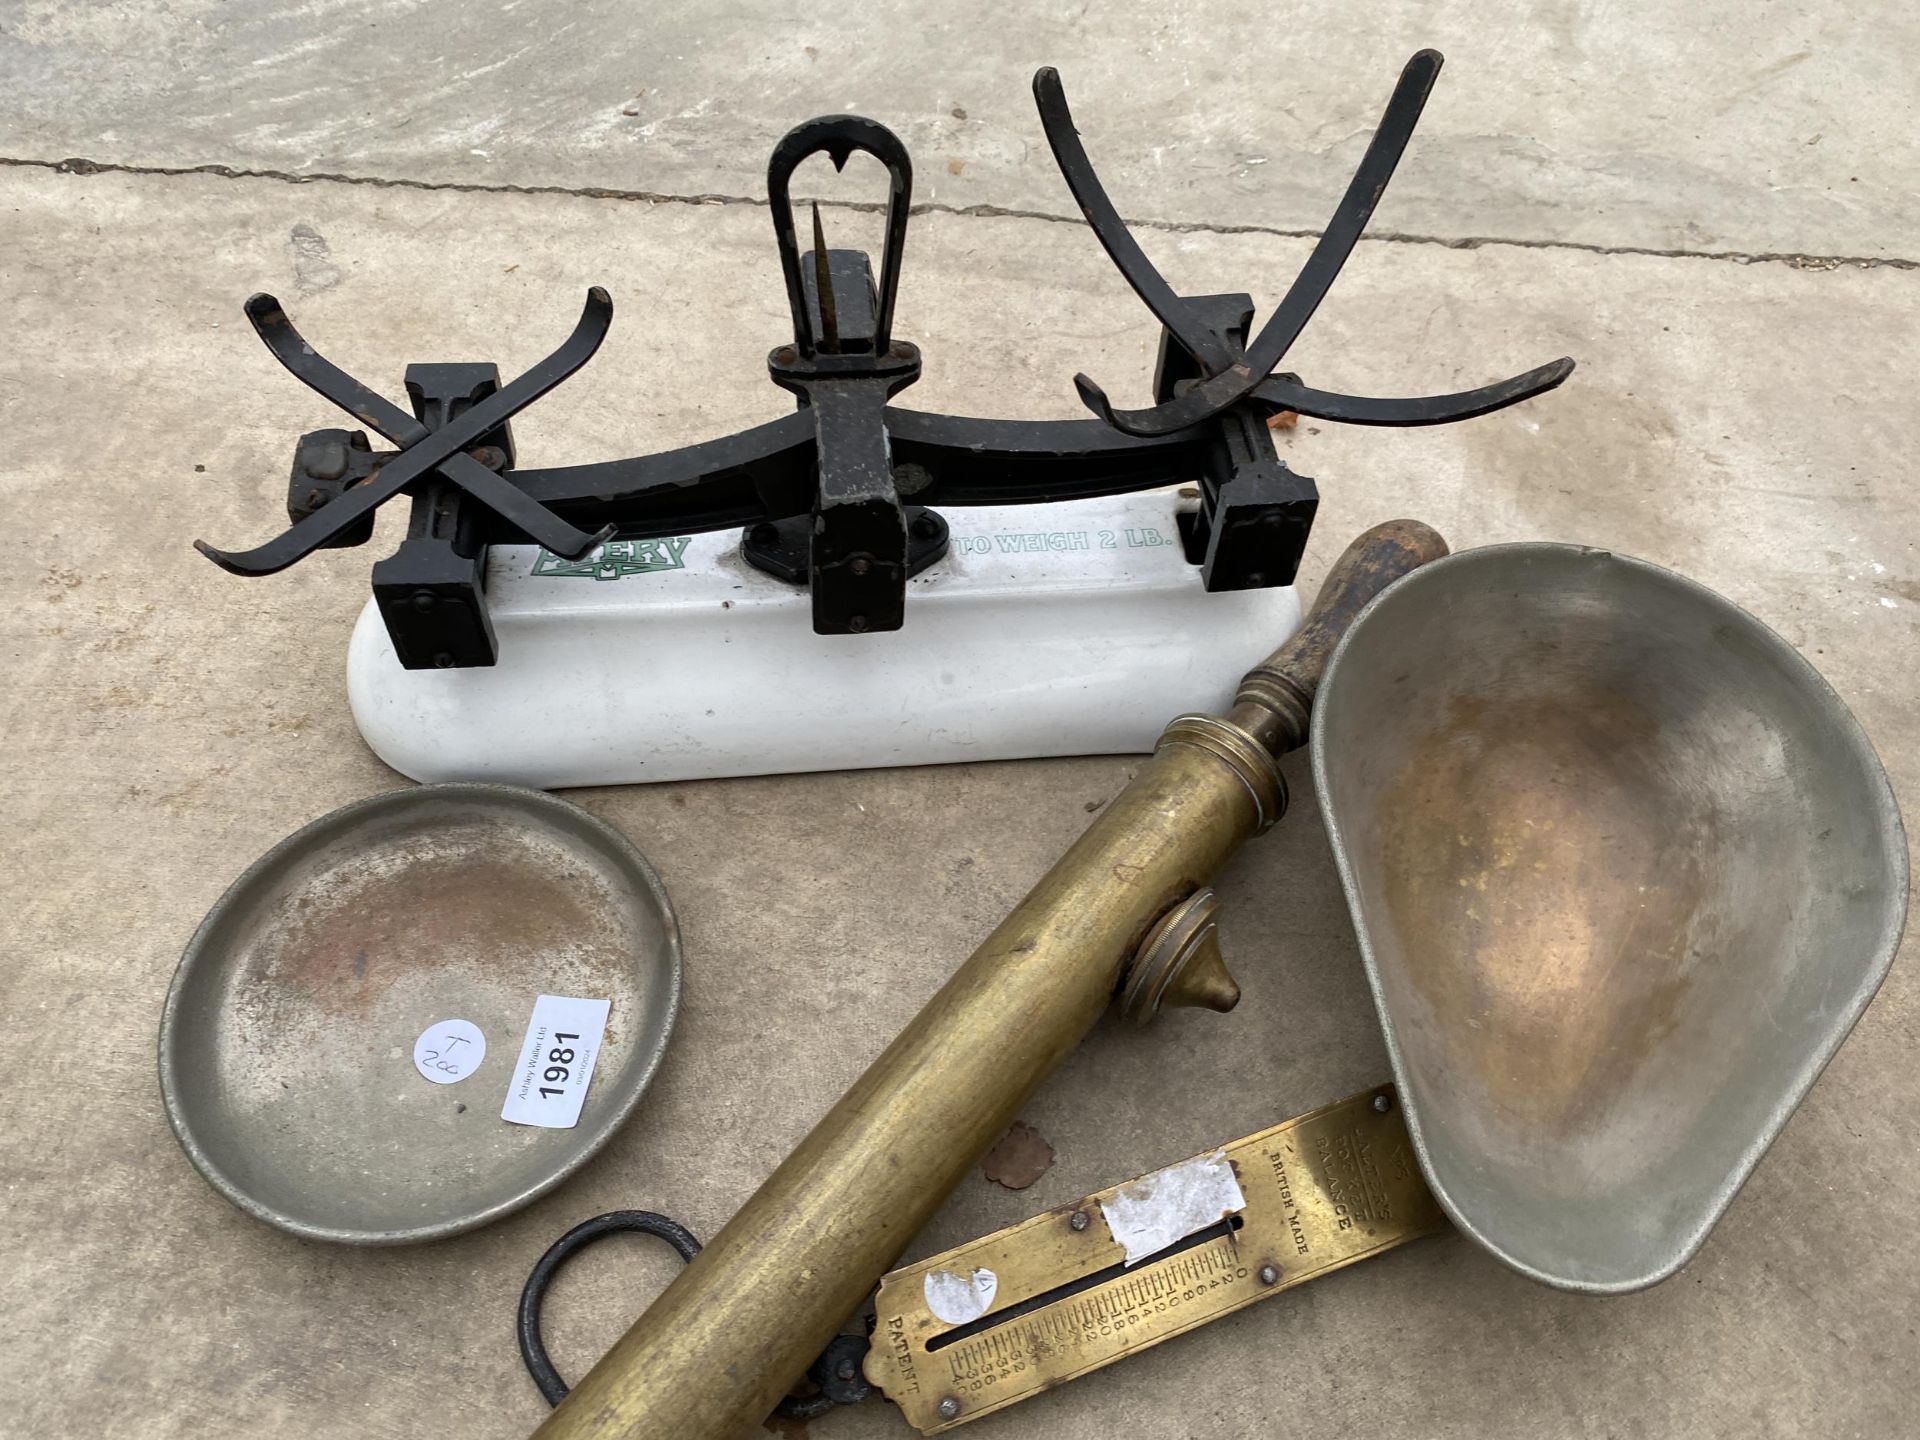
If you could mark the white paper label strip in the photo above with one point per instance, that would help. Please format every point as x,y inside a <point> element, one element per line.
<point>450,1050</point>
<point>1171,1204</point>
<point>556,1062</point>
<point>955,1298</point>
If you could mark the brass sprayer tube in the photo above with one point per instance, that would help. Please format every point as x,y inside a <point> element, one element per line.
<point>713,1354</point>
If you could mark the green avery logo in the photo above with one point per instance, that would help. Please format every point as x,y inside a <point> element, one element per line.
<point>618,558</point>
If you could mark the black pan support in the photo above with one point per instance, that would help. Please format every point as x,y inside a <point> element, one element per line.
<point>841,495</point>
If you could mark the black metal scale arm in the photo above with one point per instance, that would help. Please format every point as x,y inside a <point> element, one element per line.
<point>838,495</point>
<point>1232,370</point>
<point>768,472</point>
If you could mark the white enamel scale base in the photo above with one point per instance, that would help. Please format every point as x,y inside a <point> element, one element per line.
<point>1068,629</point>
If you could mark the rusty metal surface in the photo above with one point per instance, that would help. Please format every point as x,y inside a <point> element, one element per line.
<point>1323,1190</point>
<point>1625,872</point>
<point>286,1046</point>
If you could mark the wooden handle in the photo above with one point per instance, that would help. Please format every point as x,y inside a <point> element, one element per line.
<point>1275,701</point>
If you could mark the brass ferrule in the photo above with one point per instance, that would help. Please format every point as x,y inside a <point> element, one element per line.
<point>1252,764</point>
<point>1279,709</point>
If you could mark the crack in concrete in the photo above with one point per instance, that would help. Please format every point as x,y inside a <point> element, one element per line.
<point>1794,260</point>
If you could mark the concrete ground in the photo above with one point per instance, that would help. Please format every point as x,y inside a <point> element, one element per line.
<point>1712,207</point>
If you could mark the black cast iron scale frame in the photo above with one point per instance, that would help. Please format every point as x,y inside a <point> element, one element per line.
<point>838,495</point>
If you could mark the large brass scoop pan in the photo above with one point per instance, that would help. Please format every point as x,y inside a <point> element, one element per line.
<point>1625,871</point>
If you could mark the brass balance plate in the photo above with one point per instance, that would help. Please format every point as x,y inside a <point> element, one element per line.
<point>1321,1191</point>
<point>289,1045</point>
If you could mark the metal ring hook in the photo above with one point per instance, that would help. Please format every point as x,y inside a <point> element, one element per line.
<point>838,136</point>
<point>533,1346</point>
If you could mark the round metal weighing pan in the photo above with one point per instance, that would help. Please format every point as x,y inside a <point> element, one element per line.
<point>286,1045</point>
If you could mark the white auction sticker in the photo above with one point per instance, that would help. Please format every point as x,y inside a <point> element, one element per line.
<point>556,1062</point>
<point>449,1050</point>
<point>1149,1214</point>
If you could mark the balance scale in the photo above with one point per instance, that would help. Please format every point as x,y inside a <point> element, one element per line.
<point>852,584</point>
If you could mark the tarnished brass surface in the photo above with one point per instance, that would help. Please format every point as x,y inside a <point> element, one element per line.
<point>1251,761</point>
<point>1179,964</point>
<point>1323,1190</point>
<point>727,1338</point>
